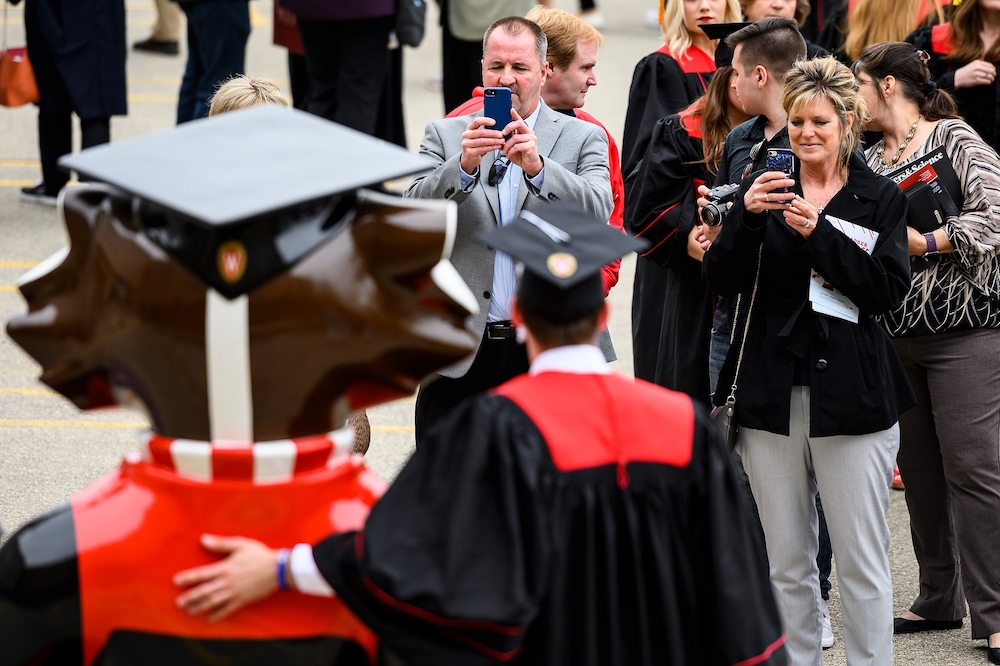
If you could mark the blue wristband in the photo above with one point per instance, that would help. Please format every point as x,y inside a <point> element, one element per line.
<point>282,569</point>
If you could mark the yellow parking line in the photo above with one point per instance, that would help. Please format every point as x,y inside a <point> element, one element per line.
<point>258,18</point>
<point>7,182</point>
<point>140,98</point>
<point>93,425</point>
<point>7,263</point>
<point>20,163</point>
<point>28,391</point>
<point>8,288</point>
<point>154,81</point>
<point>378,428</point>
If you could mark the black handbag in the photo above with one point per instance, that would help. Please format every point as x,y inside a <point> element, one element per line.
<point>410,19</point>
<point>725,415</point>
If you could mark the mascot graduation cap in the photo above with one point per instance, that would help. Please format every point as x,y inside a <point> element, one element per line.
<point>234,280</point>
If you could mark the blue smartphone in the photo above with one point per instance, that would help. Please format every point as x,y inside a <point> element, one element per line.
<point>497,105</point>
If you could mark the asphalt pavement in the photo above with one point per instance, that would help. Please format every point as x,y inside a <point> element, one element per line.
<point>49,449</point>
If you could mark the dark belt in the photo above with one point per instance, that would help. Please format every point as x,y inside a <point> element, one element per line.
<point>500,330</point>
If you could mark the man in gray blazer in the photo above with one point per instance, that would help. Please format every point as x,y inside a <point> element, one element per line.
<point>548,156</point>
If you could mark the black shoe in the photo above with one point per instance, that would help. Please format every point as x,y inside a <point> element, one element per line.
<point>901,625</point>
<point>993,654</point>
<point>38,195</point>
<point>155,46</point>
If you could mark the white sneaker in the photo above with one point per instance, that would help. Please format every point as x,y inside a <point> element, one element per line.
<point>827,641</point>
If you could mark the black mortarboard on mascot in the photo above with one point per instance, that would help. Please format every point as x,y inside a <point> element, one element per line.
<point>719,31</point>
<point>563,249</point>
<point>240,197</point>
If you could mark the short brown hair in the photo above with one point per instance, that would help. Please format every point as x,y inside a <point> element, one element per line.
<point>563,32</point>
<point>244,91</point>
<point>578,332</point>
<point>774,43</point>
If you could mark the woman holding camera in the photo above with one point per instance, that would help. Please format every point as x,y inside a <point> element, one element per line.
<point>947,333</point>
<point>819,395</point>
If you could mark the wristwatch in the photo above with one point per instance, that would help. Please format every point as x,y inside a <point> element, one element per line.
<point>931,244</point>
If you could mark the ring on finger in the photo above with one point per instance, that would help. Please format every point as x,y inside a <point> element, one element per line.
<point>767,197</point>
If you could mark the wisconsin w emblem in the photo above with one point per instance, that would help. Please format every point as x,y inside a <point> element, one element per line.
<point>232,261</point>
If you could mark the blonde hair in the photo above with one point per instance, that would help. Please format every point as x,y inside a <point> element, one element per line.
<point>564,31</point>
<point>875,21</point>
<point>675,33</point>
<point>244,91</point>
<point>827,78</point>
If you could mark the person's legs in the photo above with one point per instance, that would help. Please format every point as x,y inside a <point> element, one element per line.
<point>55,139</point>
<point>824,560</point>
<point>461,69</point>
<point>779,469</point>
<point>95,131</point>
<point>364,64</point>
<point>496,362</point>
<point>963,377</point>
<point>853,474</point>
<point>168,22</point>
<point>187,99</point>
<point>322,55</point>
<point>928,498</point>
<point>298,77</point>
<point>648,298</point>
<point>219,41</point>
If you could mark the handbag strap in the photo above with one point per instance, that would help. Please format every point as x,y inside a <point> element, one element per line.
<point>746,327</point>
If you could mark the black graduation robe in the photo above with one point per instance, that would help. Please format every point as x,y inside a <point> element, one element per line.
<point>585,520</point>
<point>662,208</point>
<point>661,86</point>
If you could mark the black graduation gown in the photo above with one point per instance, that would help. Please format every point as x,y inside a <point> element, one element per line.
<point>661,86</point>
<point>616,537</point>
<point>662,207</point>
<point>78,49</point>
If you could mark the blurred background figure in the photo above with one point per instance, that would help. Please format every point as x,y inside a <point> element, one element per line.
<point>286,34</point>
<point>797,10</point>
<point>463,24</point>
<point>77,49</point>
<point>684,152</point>
<point>663,83</point>
<point>963,61</point>
<point>217,33</point>
<point>166,30</point>
<point>946,333</point>
<point>345,44</point>
<point>855,24</point>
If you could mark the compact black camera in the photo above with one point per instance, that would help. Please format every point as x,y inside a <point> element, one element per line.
<point>718,197</point>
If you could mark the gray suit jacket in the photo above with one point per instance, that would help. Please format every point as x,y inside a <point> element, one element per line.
<point>576,169</point>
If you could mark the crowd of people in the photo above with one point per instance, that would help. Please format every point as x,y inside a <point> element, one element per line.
<point>847,333</point>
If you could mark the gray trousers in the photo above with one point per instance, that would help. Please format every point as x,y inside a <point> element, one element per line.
<point>852,474</point>
<point>949,458</point>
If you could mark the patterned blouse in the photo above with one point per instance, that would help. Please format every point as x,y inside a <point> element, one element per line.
<point>962,289</point>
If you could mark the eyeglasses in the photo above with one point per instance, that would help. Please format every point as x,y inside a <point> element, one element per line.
<point>498,171</point>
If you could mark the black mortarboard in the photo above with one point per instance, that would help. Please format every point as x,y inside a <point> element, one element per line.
<point>240,197</point>
<point>719,31</point>
<point>563,249</point>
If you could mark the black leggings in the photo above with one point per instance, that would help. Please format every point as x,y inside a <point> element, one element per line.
<point>55,139</point>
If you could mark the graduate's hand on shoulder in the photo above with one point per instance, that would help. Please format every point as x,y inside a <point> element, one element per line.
<point>247,574</point>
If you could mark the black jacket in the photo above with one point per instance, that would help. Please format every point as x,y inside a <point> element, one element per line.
<point>857,382</point>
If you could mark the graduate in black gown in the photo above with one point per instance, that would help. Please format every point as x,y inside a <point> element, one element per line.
<point>665,82</point>
<point>571,516</point>
<point>683,153</point>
